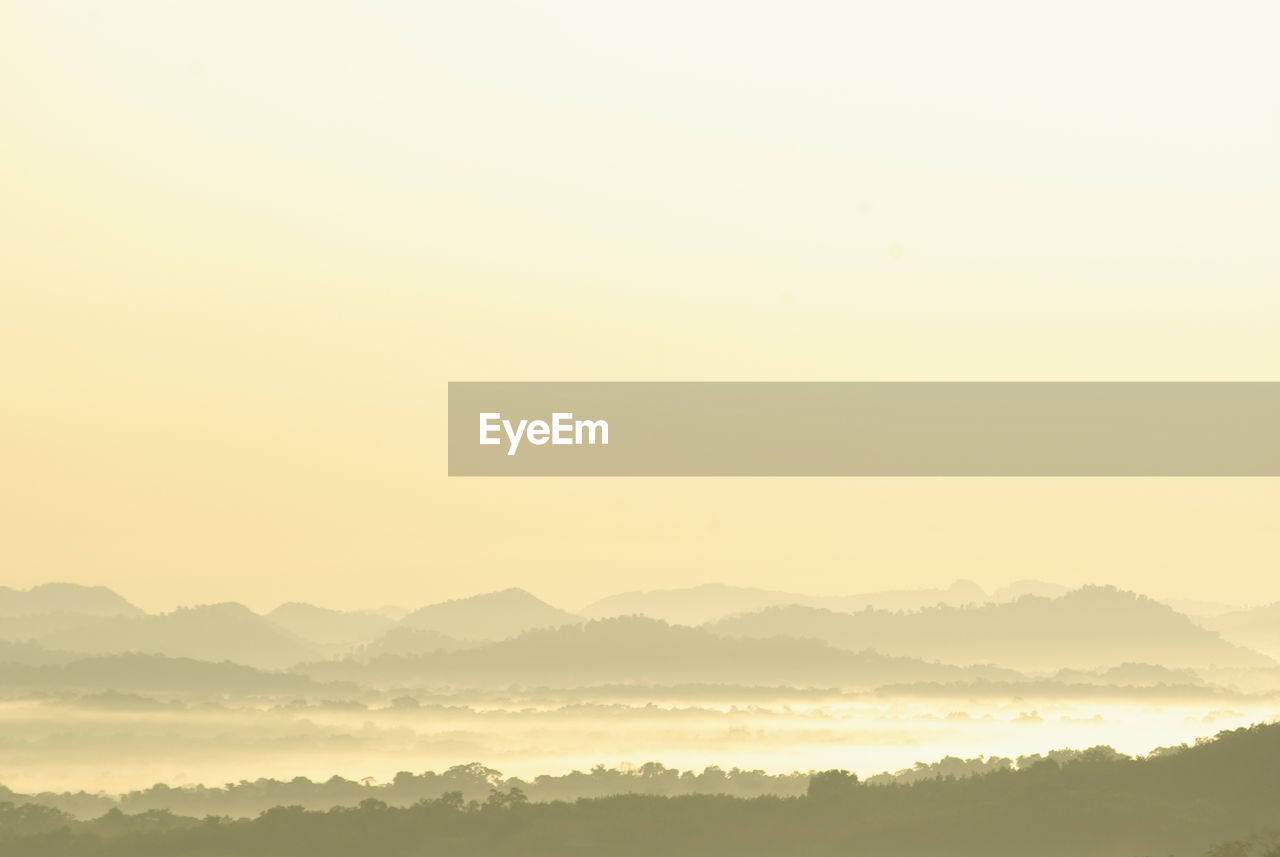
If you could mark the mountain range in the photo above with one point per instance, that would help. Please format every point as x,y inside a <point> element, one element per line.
<point>210,632</point>
<point>1084,629</point>
<point>697,605</point>
<point>1258,628</point>
<point>322,627</point>
<point>1041,629</point>
<point>491,616</point>
<point>639,649</point>
<point>71,598</point>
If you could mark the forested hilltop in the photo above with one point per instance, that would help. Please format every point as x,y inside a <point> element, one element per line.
<point>476,782</point>
<point>1218,797</point>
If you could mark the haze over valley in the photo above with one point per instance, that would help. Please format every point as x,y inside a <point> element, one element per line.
<point>102,696</point>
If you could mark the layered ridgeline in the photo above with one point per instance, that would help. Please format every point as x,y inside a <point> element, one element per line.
<point>322,627</point>
<point>1083,629</point>
<point>1087,628</point>
<point>697,605</point>
<point>29,614</point>
<point>1258,628</point>
<point>1220,795</point>
<point>63,598</point>
<point>95,621</point>
<point>212,632</point>
<point>637,649</point>
<point>492,616</point>
<point>65,673</point>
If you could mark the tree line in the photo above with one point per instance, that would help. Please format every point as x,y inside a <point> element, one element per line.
<point>1217,797</point>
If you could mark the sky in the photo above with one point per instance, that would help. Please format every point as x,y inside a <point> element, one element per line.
<point>244,246</point>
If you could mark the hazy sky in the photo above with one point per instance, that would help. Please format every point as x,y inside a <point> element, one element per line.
<point>243,246</point>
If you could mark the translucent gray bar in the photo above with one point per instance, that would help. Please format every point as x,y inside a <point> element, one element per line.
<point>869,429</point>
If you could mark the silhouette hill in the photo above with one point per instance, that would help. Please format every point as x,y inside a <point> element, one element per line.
<point>637,649</point>
<point>141,673</point>
<point>1097,803</point>
<point>323,627</point>
<point>491,616</point>
<point>64,598</point>
<point>1084,629</point>
<point>1258,628</point>
<point>408,642</point>
<point>211,632</point>
<point>697,605</point>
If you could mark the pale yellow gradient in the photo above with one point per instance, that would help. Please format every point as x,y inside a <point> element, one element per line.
<point>243,247</point>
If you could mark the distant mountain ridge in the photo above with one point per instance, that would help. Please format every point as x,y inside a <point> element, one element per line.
<point>51,598</point>
<point>210,632</point>
<point>410,642</point>
<point>144,673</point>
<point>1028,624</point>
<point>1019,588</point>
<point>1084,629</point>
<point>321,626</point>
<point>489,616</point>
<point>638,649</point>
<point>708,602</point>
<point>1258,628</point>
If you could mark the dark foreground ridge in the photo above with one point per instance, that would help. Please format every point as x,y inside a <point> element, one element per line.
<point>1219,797</point>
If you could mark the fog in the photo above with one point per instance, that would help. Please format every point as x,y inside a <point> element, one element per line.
<point>71,745</point>
<point>158,698</point>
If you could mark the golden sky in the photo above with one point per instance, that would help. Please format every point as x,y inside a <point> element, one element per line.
<point>243,247</point>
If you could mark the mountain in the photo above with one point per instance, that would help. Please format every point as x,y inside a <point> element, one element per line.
<point>40,625</point>
<point>31,614</point>
<point>211,632</point>
<point>1019,588</point>
<point>693,605</point>
<point>1084,629</point>
<point>1198,610</point>
<point>638,649</point>
<point>136,673</point>
<point>64,598</point>
<point>697,605</point>
<point>329,628</point>
<point>492,616</point>
<point>32,654</point>
<point>407,642</point>
<point>392,612</point>
<point>1258,628</point>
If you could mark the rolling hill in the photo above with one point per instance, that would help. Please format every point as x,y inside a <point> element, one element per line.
<point>1258,628</point>
<point>211,632</point>
<point>491,616</point>
<point>322,627</point>
<point>697,605</point>
<point>1084,629</point>
<point>135,673</point>
<point>638,649</point>
<point>402,642</point>
<point>64,598</point>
